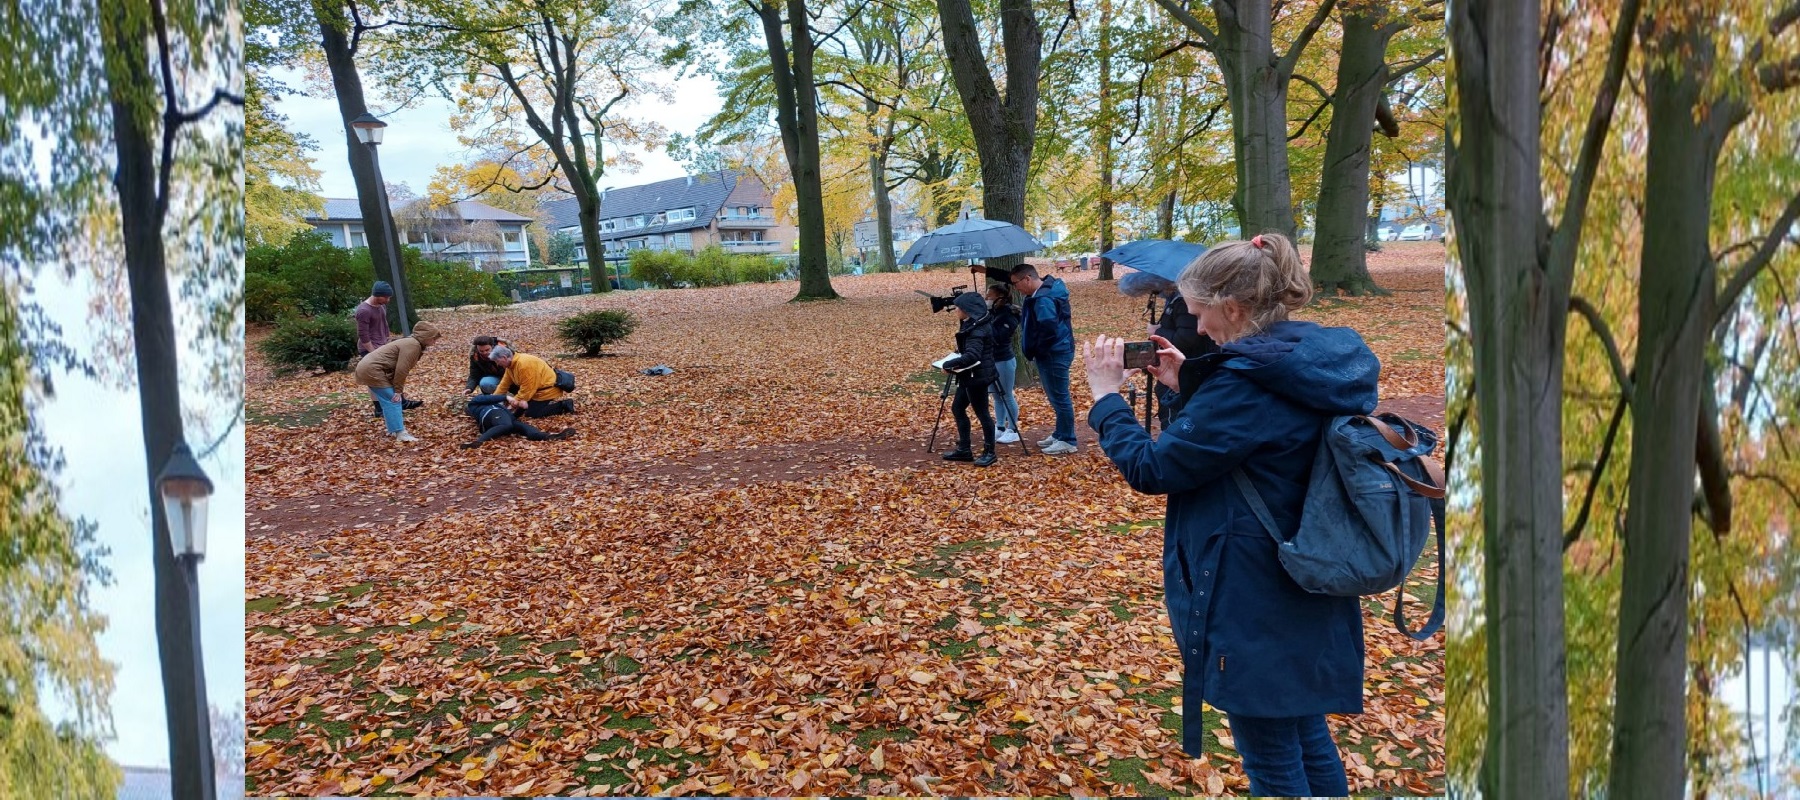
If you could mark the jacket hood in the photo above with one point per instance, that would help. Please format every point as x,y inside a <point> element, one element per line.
<point>426,333</point>
<point>1329,370</point>
<point>1053,288</point>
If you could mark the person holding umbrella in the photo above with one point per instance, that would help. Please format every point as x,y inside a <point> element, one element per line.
<point>1048,339</point>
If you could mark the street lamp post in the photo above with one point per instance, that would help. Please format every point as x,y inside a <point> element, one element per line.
<point>368,131</point>
<point>185,488</point>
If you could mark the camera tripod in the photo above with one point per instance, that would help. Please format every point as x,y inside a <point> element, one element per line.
<point>993,400</point>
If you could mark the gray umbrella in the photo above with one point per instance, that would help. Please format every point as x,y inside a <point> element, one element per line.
<point>971,238</point>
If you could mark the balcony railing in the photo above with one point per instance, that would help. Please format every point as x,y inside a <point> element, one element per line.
<point>746,221</point>
<point>762,246</point>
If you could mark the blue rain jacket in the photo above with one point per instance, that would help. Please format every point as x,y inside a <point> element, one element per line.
<point>1252,641</point>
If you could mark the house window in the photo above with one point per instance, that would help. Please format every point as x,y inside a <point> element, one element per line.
<point>609,225</point>
<point>637,221</point>
<point>358,239</point>
<point>682,241</point>
<point>511,238</point>
<point>415,237</point>
<point>681,215</point>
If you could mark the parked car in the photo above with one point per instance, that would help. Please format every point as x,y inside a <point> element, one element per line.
<point>1417,233</point>
<point>1387,233</point>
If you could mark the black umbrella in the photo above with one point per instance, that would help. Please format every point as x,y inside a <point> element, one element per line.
<point>971,238</point>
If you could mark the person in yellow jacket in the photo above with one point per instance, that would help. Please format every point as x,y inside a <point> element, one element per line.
<point>384,371</point>
<point>532,383</point>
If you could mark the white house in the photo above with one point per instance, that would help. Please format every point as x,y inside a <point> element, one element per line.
<point>470,231</point>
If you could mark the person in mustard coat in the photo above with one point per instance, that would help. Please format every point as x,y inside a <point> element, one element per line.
<point>532,383</point>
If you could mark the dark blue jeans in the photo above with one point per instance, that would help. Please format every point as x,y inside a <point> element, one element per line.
<point>1053,372</point>
<point>1289,756</point>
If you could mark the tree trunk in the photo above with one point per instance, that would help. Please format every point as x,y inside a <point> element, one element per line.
<point>1005,130</point>
<point>141,215</point>
<point>1675,310</point>
<point>1256,85</point>
<point>796,113</point>
<point>1103,135</point>
<point>1165,216</point>
<point>884,204</point>
<point>1340,260</point>
<point>371,195</point>
<point>1518,311</point>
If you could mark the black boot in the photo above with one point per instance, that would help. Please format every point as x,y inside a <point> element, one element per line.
<point>377,405</point>
<point>987,458</point>
<point>961,453</point>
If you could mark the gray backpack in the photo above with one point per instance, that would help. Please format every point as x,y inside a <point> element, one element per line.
<point>1373,499</point>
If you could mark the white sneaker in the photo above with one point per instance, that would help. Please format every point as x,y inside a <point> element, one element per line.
<point>405,436</point>
<point>1046,442</point>
<point>1007,437</point>
<point>1058,448</point>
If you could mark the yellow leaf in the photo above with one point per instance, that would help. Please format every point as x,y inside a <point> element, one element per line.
<point>1215,785</point>
<point>351,785</point>
<point>921,677</point>
<point>378,780</point>
<point>877,760</point>
<point>474,774</point>
<point>1421,702</point>
<point>828,759</point>
<point>259,749</point>
<point>369,737</point>
<point>754,760</point>
<point>283,681</point>
<point>1021,716</point>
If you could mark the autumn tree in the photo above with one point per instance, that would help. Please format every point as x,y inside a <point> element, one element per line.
<point>280,181</point>
<point>564,70</point>
<point>1004,123</point>
<point>1364,75</point>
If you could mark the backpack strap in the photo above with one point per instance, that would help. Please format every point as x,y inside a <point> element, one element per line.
<point>1257,506</point>
<point>1437,610</point>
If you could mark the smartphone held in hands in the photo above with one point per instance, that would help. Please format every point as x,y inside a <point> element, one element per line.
<point>1139,354</point>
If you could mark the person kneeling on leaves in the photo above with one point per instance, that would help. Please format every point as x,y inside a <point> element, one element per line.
<point>493,415</point>
<point>534,381</point>
<point>974,371</point>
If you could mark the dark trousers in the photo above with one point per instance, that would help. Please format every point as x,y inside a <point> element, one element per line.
<point>1289,756</point>
<point>500,422</point>
<point>973,395</point>
<point>549,408</point>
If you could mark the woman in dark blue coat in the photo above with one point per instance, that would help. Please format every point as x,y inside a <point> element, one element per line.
<point>1272,656</point>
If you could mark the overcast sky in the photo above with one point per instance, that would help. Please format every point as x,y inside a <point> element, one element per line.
<point>100,434</point>
<point>418,139</point>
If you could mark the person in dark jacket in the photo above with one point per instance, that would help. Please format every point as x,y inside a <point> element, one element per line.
<point>1272,656</point>
<point>495,419</point>
<point>1048,339</point>
<point>1004,318</point>
<point>480,366</point>
<point>1180,328</point>
<point>974,370</point>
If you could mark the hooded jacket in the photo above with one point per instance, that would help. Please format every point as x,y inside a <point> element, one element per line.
<point>974,345</point>
<point>387,365</point>
<point>533,379</point>
<point>1047,328</point>
<point>1252,641</point>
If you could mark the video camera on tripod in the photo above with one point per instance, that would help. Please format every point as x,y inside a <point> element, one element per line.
<point>941,303</point>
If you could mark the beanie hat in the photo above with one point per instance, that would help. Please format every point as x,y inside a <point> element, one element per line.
<point>382,289</point>
<point>489,384</point>
<point>426,333</point>
<point>972,304</point>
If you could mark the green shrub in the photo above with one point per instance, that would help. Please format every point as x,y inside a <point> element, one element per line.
<point>758,269</point>
<point>446,284</point>
<point>326,342</point>
<point>590,331</point>
<point>657,267</point>
<point>266,297</point>
<point>711,267</point>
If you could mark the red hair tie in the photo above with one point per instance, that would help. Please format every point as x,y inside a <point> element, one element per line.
<point>1256,241</point>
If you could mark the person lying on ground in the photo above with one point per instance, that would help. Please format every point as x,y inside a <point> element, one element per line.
<point>532,383</point>
<point>493,416</point>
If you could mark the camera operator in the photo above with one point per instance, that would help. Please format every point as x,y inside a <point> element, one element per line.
<point>1175,324</point>
<point>974,371</point>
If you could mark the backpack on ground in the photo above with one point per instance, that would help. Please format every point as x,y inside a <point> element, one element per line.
<point>1364,522</point>
<point>565,380</point>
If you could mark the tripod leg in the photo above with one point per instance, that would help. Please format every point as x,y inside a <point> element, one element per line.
<point>943,396</point>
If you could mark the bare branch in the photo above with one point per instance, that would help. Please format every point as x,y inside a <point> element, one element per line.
<point>1580,305</point>
<point>219,96</point>
<point>1780,76</point>
<point>1293,54</point>
<point>236,416</point>
<point>1746,272</point>
<point>1309,120</point>
<point>1323,95</point>
<point>1709,456</point>
<point>1587,502</point>
<point>1568,232</point>
<point>1405,68</point>
<point>1193,23</point>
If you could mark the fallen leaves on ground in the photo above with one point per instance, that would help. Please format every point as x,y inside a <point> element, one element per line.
<point>547,618</point>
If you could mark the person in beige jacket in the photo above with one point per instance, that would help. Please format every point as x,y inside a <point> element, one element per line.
<point>384,371</point>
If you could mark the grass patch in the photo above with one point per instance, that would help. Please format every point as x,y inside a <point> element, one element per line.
<point>1006,740</point>
<point>560,647</point>
<point>622,665</point>
<point>271,629</point>
<point>870,736</point>
<point>279,733</point>
<point>953,648</point>
<point>307,414</point>
<point>265,604</point>
<point>620,722</point>
<point>1119,610</point>
<point>949,550</point>
<point>522,675</point>
<point>1125,528</point>
<point>1127,772</point>
<point>1414,354</point>
<point>512,645</point>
